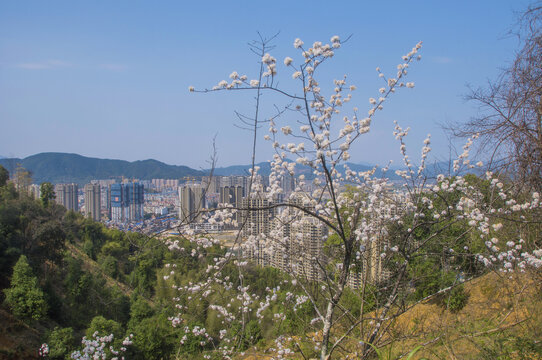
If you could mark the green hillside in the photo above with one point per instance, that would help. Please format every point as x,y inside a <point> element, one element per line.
<point>66,168</point>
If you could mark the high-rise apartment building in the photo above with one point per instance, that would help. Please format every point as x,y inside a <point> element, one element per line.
<point>232,195</point>
<point>296,245</point>
<point>256,216</point>
<point>161,184</point>
<point>106,198</point>
<point>212,184</point>
<point>307,238</point>
<point>191,202</point>
<point>234,180</point>
<point>126,201</point>
<point>67,195</point>
<point>35,191</point>
<point>93,201</point>
<point>373,269</point>
<point>286,182</point>
<point>136,199</point>
<point>118,201</point>
<point>256,219</point>
<point>284,238</point>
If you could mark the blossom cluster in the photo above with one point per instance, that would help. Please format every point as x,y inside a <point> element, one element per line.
<point>98,348</point>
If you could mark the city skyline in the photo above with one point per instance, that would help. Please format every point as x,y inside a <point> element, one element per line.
<point>118,74</point>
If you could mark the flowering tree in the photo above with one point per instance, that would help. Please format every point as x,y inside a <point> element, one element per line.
<point>358,249</point>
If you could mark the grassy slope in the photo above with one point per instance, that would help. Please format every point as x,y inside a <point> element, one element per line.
<point>18,340</point>
<point>501,309</point>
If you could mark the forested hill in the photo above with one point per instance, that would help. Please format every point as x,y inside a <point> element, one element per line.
<point>65,168</point>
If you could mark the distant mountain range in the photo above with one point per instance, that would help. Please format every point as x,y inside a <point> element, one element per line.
<point>68,168</point>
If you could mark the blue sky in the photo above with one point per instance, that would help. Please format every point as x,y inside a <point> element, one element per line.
<point>110,79</point>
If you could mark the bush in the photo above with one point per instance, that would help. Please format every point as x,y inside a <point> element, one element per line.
<point>457,298</point>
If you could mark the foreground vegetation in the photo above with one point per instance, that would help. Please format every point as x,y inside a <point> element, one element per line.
<point>68,277</point>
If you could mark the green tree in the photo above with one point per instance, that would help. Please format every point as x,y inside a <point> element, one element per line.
<point>253,333</point>
<point>155,338</point>
<point>47,241</point>
<point>47,193</point>
<point>139,310</point>
<point>109,266</point>
<point>4,176</point>
<point>24,297</point>
<point>104,327</point>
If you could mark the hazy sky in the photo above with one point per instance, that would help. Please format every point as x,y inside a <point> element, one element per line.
<point>110,79</point>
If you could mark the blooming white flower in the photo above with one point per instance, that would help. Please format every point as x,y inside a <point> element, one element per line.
<point>298,43</point>
<point>288,60</point>
<point>286,130</point>
<point>268,59</point>
<point>296,74</point>
<point>254,83</point>
<point>497,227</point>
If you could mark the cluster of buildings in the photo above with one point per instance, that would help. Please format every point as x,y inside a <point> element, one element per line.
<point>278,236</point>
<point>129,200</point>
<point>101,199</point>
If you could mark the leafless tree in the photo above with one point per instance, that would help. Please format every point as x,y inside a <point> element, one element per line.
<point>510,120</point>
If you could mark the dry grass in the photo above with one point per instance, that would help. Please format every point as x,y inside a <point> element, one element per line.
<point>500,311</point>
